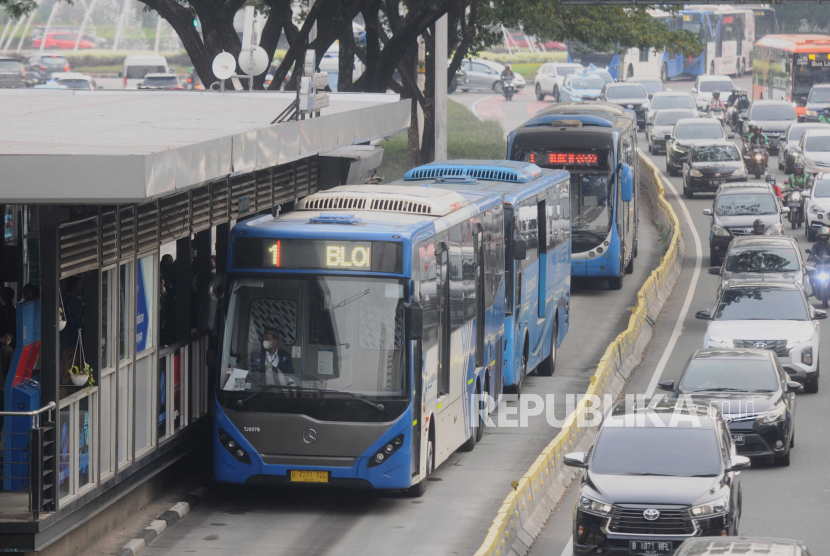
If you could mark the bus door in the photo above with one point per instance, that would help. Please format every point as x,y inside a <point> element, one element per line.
<point>542,235</point>
<point>442,260</point>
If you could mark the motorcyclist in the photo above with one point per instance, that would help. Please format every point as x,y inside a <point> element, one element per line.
<point>822,246</point>
<point>733,96</point>
<point>507,73</point>
<point>716,102</point>
<point>758,227</point>
<point>775,187</point>
<point>741,104</point>
<point>799,179</point>
<point>824,117</point>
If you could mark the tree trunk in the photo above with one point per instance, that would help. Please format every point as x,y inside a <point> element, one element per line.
<point>346,73</point>
<point>428,137</point>
<point>271,33</point>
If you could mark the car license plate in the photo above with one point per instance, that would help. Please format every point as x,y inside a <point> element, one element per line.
<point>795,204</point>
<point>309,476</point>
<point>738,439</point>
<point>649,547</point>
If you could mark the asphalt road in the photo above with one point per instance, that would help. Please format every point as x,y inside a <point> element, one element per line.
<point>463,495</point>
<point>786,502</point>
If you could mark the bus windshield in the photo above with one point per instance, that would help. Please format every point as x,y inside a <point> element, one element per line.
<point>591,203</point>
<point>805,76</point>
<point>332,334</point>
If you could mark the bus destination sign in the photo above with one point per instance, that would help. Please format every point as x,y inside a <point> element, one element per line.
<point>315,254</point>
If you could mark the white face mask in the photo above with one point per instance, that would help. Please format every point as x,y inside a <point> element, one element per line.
<point>266,344</point>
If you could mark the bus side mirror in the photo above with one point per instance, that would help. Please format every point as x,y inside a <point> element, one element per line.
<point>519,250</point>
<point>627,183</point>
<point>414,322</point>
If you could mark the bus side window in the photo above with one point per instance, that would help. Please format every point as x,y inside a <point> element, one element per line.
<point>496,270</point>
<point>456,279</point>
<point>553,224</point>
<point>468,270</point>
<point>526,229</point>
<point>490,258</point>
<point>428,291</point>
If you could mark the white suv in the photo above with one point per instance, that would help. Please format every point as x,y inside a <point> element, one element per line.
<point>817,206</point>
<point>705,85</point>
<point>769,315</point>
<point>550,78</point>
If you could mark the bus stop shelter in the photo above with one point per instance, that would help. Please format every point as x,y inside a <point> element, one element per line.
<point>117,207</point>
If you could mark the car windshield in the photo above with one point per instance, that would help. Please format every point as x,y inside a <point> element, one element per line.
<point>820,95</point>
<point>588,82</point>
<point>566,70</point>
<point>773,113</point>
<point>166,81</point>
<point>651,86</point>
<point>715,153</point>
<point>672,101</point>
<point>53,61</point>
<point>675,451</point>
<point>606,77</point>
<point>732,373</point>
<point>821,189</point>
<point>626,91</point>
<point>664,118</point>
<point>819,143</point>
<point>332,333</point>
<point>763,259</point>
<point>709,86</point>
<point>10,65</point>
<point>74,83</point>
<point>745,203</point>
<point>797,132</point>
<point>761,304</point>
<point>706,130</point>
<point>138,72</point>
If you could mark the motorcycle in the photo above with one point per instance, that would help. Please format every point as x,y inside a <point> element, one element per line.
<point>717,114</point>
<point>507,88</point>
<point>755,159</point>
<point>795,201</point>
<point>739,123</point>
<point>820,278</point>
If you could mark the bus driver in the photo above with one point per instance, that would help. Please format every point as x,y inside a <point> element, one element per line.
<point>276,361</point>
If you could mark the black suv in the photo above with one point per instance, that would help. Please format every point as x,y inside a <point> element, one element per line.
<point>40,67</point>
<point>648,486</point>
<point>710,164</point>
<point>685,134</point>
<point>631,96</point>
<point>774,117</point>
<point>753,392</point>
<point>12,74</point>
<point>815,102</point>
<point>736,207</point>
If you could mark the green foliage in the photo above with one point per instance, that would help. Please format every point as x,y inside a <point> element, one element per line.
<point>537,58</point>
<point>467,137</point>
<point>17,8</point>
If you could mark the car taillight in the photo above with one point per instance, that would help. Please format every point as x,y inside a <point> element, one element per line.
<point>66,67</point>
<point>42,67</point>
<point>125,82</point>
<point>189,80</point>
<point>23,72</point>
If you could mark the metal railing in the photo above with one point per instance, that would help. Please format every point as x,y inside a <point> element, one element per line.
<point>40,477</point>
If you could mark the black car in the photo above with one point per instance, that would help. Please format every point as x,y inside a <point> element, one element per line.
<point>744,546</point>
<point>752,391</point>
<point>786,153</point>
<point>631,96</point>
<point>661,124</point>
<point>12,74</point>
<point>685,134</point>
<point>648,487</point>
<point>40,67</point>
<point>815,102</point>
<point>736,207</point>
<point>710,164</point>
<point>650,84</point>
<point>774,117</point>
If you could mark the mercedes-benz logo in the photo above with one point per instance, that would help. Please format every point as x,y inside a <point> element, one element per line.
<point>651,514</point>
<point>760,345</point>
<point>309,436</point>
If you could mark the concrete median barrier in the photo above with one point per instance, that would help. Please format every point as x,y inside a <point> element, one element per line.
<point>526,508</point>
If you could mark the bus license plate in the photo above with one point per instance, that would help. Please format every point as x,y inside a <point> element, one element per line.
<point>309,476</point>
<point>639,548</point>
<point>738,439</point>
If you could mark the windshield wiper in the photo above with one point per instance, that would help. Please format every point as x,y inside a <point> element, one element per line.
<point>651,474</point>
<point>720,390</point>
<point>764,390</point>
<point>704,475</point>
<point>378,406</point>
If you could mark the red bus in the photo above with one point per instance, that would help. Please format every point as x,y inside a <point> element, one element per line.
<point>787,67</point>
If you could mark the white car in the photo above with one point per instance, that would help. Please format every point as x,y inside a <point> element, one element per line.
<point>668,100</point>
<point>814,150</point>
<point>817,206</point>
<point>485,75</point>
<point>705,85</point>
<point>550,79</point>
<point>769,315</point>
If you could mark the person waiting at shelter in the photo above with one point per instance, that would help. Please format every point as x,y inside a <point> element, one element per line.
<point>30,292</point>
<point>73,306</point>
<point>6,354</point>
<point>8,313</point>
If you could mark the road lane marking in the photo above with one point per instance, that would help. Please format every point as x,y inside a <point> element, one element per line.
<point>681,318</point>
<point>474,107</point>
<point>569,547</point>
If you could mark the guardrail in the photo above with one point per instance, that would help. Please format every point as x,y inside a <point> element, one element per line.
<point>533,497</point>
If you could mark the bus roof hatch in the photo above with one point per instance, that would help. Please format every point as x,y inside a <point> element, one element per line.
<point>386,198</point>
<point>512,171</point>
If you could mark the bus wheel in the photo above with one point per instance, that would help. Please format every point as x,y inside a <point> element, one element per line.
<point>664,73</point>
<point>471,442</point>
<point>548,366</point>
<point>629,268</point>
<point>616,283</point>
<point>418,490</point>
<point>484,407</point>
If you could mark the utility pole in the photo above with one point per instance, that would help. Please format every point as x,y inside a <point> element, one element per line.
<point>441,88</point>
<point>422,78</point>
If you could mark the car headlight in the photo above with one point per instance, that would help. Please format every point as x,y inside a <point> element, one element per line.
<point>720,231</point>
<point>814,209</point>
<point>677,148</point>
<point>695,173</point>
<point>823,276</point>
<point>812,113</point>
<point>739,172</point>
<point>722,341</point>
<point>807,356</point>
<point>775,230</point>
<point>773,415</point>
<point>591,506</point>
<point>715,507</point>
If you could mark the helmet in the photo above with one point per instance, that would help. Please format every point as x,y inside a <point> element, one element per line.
<point>770,179</point>
<point>758,226</point>
<point>826,109</point>
<point>824,232</point>
<point>798,165</point>
<point>716,94</point>
<point>758,128</point>
<point>507,65</point>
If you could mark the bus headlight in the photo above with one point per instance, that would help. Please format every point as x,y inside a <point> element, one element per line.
<point>386,452</point>
<point>232,447</point>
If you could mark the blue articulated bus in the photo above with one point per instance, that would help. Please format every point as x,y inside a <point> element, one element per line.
<point>360,333</point>
<point>596,142</point>
<point>537,253</point>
